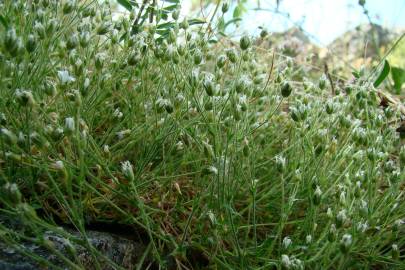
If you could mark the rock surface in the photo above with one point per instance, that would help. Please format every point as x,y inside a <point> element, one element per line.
<point>123,252</point>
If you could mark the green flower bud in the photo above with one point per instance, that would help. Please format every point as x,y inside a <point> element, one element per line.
<point>232,55</point>
<point>84,39</point>
<point>245,43</point>
<point>176,14</point>
<point>10,40</point>
<point>51,26</point>
<point>68,7</point>
<point>184,24</point>
<point>12,193</point>
<point>25,97</point>
<point>31,43</point>
<point>286,90</point>
<point>103,28</point>
<point>99,60</point>
<point>133,59</point>
<point>209,86</point>
<point>69,125</point>
<point>329,107</point>
<point>221,61</point>
<point>172,36</point>
<point>395,252</point>
<point>332,233</point>
<point>225,7</point>
<point>345,243</point>
<point>263,33</point>
<point>317,196</point>
<point>40,30</point>
<point>198,57</point>
<point>127,170</point>
<point>72,42</point>
<point>322,82</point>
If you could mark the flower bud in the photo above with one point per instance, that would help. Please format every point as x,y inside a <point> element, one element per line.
<point>12,193</point>
<point>221,61</point>
<point>176,14</point>
<point>40,30</point>
<point>225,7</point>
<point>69,125</point>
<point>10,40</point>
<point>322,82</point>
<point>72,42</point>
<point>209,86</point>
<point>68,7</point>
<point>332,233</point>
<point>341,218</point>
<point>286,90</point>
<point>51,26</point>
<point>8,136</point>
<point>286,242</point>
<point>99,60</point>
<point>184,24</point>
<point>232,55</point>
<point>345,243</point>
<point>31,43</point>
<point>127,170</point>
<point>329,107</point>
<point>25,97</point>
<point>103,28</point>
<point>280,163</point>
<point>84,39</point>
<point>263,33</point>
<point>317,196</point>
<point>395,252</point>
<point>244,43</point>
<point>210,170</point>
<point>198,57</point>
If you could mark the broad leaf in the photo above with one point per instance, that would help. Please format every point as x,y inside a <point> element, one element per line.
<point>398,75</point>
<point>384,73</point>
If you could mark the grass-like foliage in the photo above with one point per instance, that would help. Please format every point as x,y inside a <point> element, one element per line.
<point>222,156</point>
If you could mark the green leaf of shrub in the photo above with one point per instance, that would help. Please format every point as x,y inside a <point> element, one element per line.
<point>384,73</point>
<point>398,75</point>
<point>126,4</point>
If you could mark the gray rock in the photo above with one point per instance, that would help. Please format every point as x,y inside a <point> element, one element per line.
<point>123,252</point>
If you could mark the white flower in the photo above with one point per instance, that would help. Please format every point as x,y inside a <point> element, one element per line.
<point>285,261</point>
<point>308,239</point>
<point>346,240</point>
<point>58,165</point>
<point>117,113</point>
<point>127,170</point>
<point>69,124</point>
<point>106,149</point>
<point>287,242</point>
<point>65,78</point>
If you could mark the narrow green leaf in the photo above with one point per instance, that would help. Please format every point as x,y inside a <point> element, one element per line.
<point>398,75</point>
<point>126,4</point>
<point>235,20</point>
<point>384,73</point>
<point>196,21</point>
<point>170,8</point>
